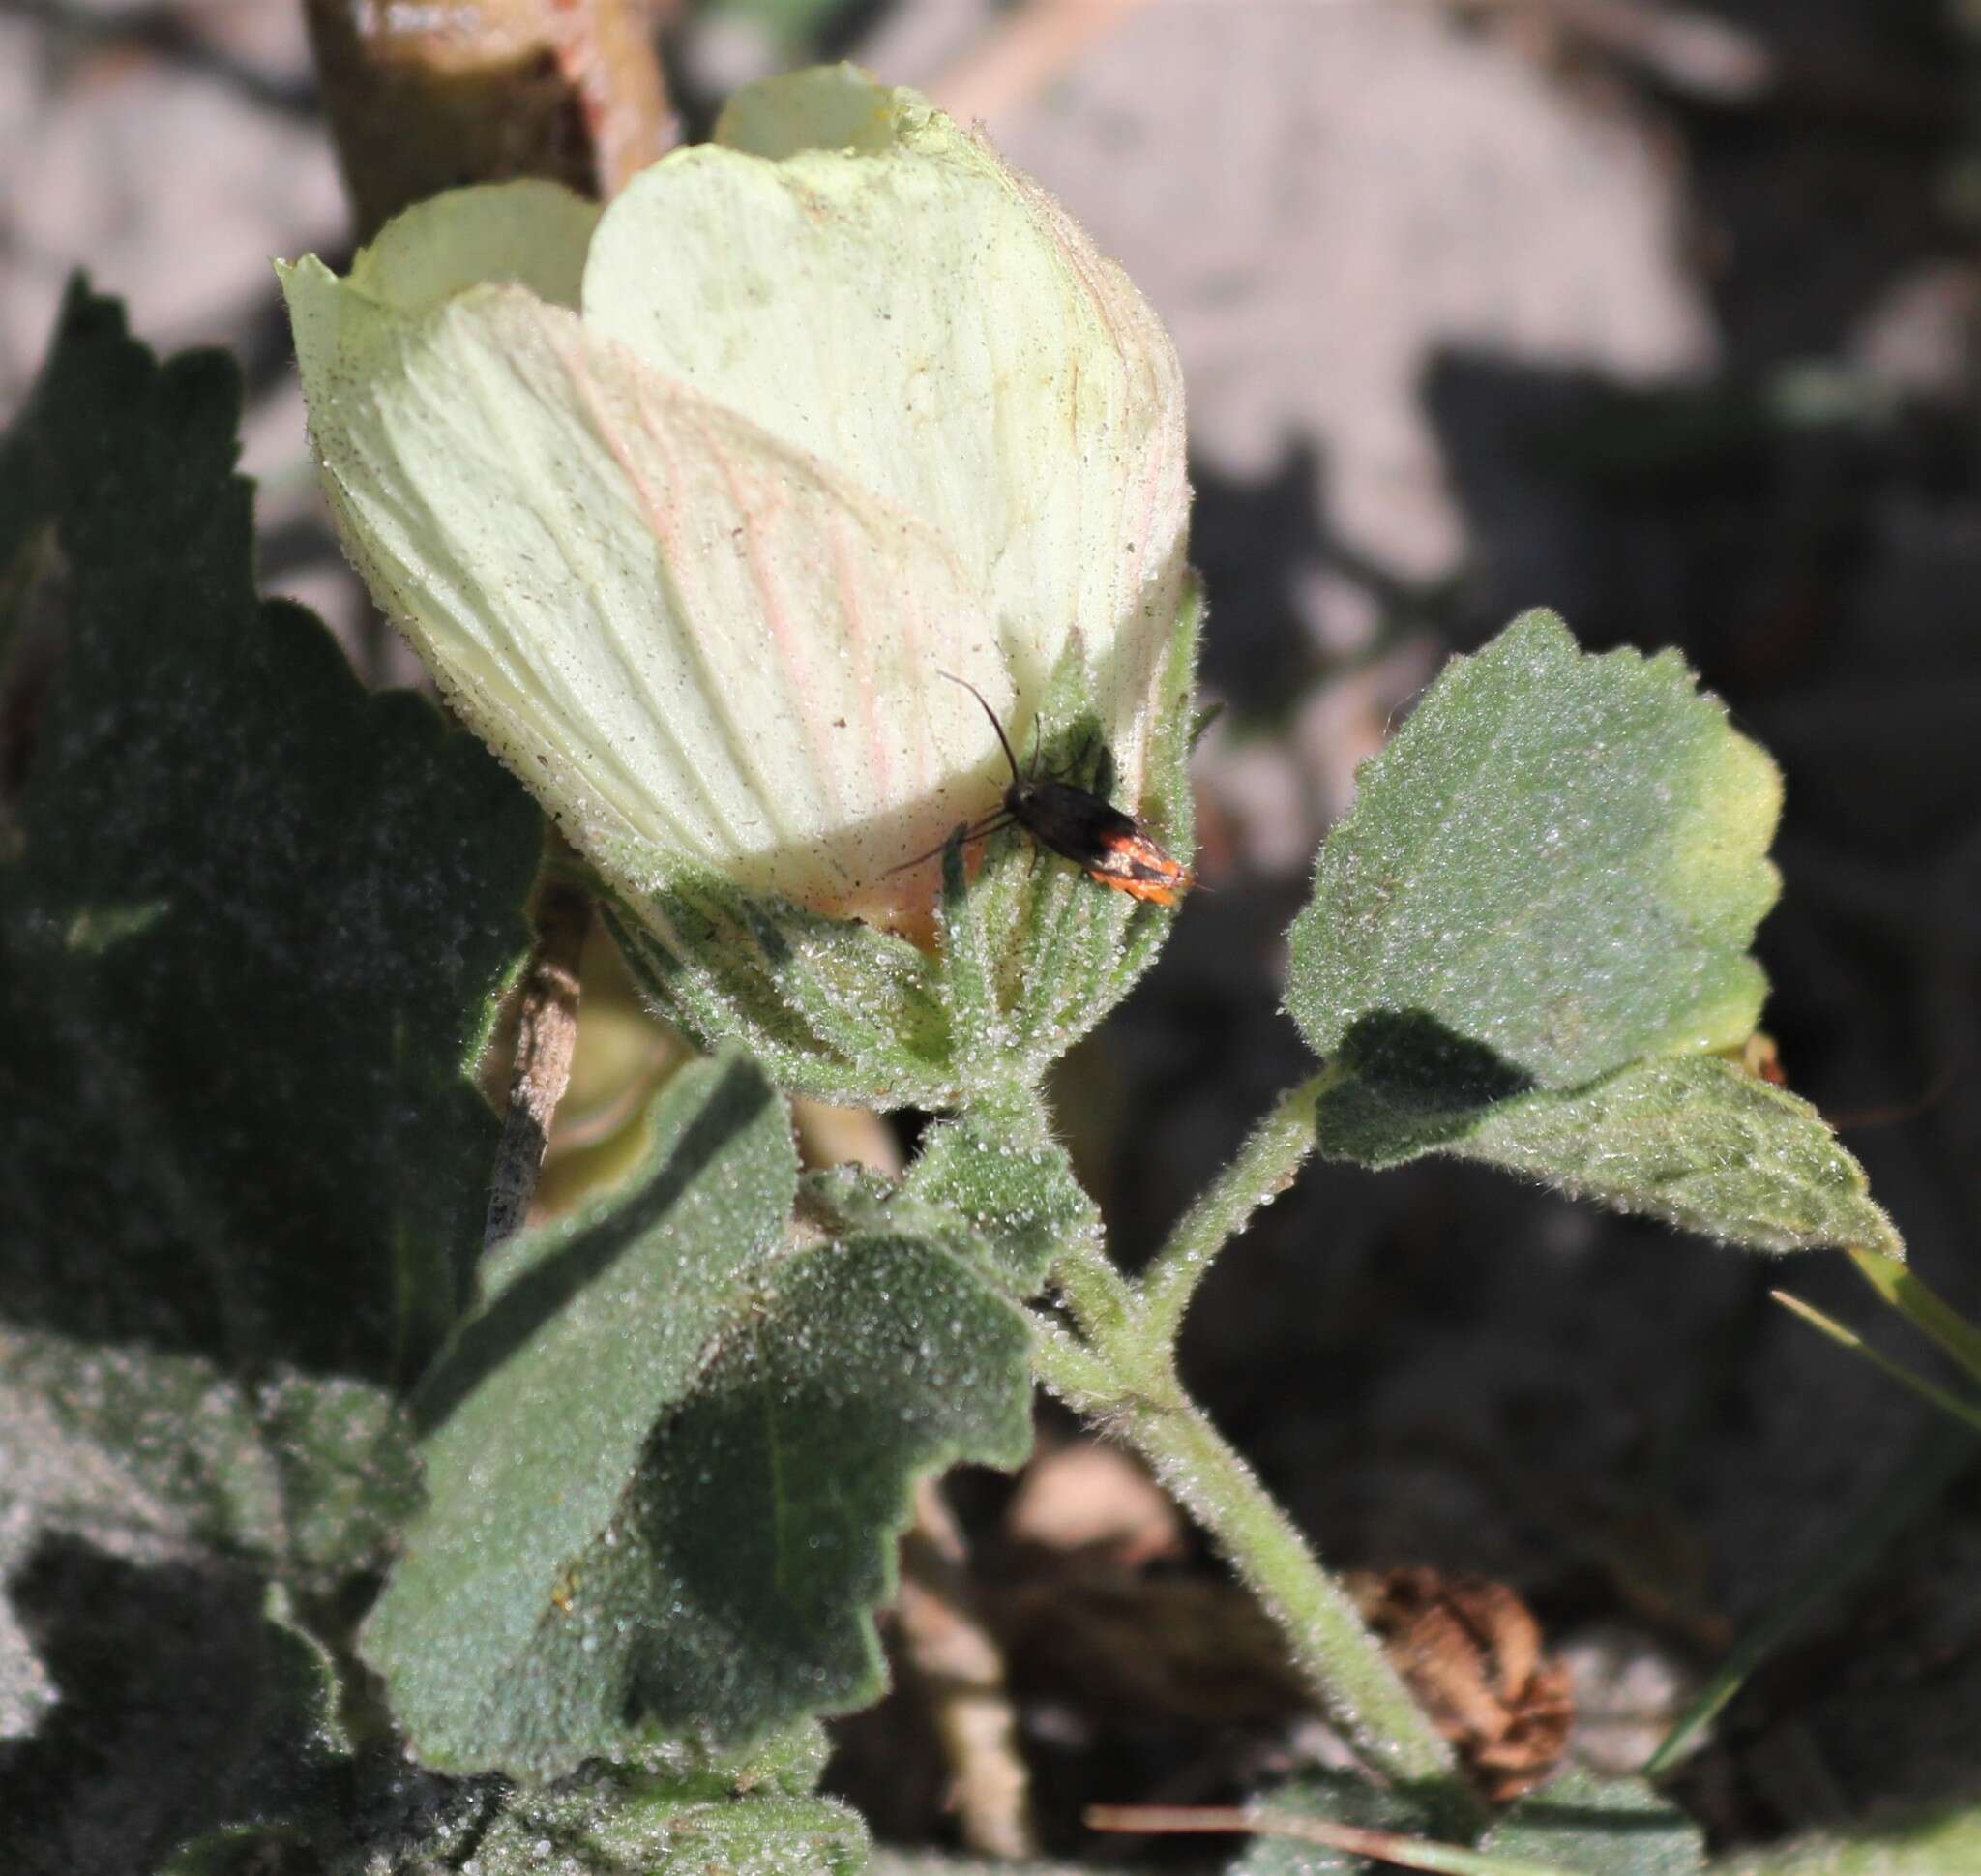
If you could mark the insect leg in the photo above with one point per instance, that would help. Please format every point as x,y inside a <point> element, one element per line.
<point>998,821</point>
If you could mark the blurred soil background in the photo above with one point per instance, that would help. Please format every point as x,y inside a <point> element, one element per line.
<point>1663,315</point>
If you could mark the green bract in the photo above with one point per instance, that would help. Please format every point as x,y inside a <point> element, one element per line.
<point>691,503</point>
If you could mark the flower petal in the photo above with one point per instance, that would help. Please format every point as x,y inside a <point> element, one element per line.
<point>698,646</point>
<point>529,233</point>
<point>908,309</point>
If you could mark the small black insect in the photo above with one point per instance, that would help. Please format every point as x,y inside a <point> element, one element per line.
<point>1107,844</point>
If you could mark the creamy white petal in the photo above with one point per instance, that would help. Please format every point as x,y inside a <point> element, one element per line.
<point>907,308</point>
<point>698,646</point>
<point>529,233</point>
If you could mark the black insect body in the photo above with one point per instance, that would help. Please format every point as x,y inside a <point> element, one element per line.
<point>1106,843</point>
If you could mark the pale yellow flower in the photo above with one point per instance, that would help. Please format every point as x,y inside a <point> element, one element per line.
<point>689,503</point>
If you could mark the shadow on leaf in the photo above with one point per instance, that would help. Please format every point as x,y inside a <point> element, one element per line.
<point>510,1319</point>
<point>1411,1084</point>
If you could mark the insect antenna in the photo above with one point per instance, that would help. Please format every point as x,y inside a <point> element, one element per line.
<point>1003,739</point>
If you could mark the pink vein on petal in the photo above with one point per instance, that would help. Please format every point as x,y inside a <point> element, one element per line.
<point>664,514</point>
<point>853,609</point>
<point>753,510</point>
<point>664,519</point>
<point>546,670</point>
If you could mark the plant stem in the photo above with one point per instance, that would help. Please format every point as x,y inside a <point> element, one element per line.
<point>1359,1691</point>
<point>1385,1846</point>
<point>1103,1302</point>
<point>1263,1169</point>
<point>1121,1373</point>
<point>546,1041</point>
<point>422,98</point>
<point>1065,1366</point>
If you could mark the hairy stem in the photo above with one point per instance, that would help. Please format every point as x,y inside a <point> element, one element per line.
<point>1104,1306</point>
<point>1358,1689</point>
<point>1264,1168</point>
<point>1120,1370</point>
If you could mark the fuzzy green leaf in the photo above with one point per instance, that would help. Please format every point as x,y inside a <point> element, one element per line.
<point>1938,1845</point>
<point>1021,1198</point>
<point>252,928</point>
<point>306,1475</point>
<point>536,1424</point>
<point>1332,1798</point>
<point>1528,945</point>
<point>612,1827</point>
<point>1560,859</point>
<point>667,1457</point>
<point>776,1493</point>
<point>678,1820</point>
<point>1598,1827</point>
<point>1691,1140</point>
<point>255,922</point>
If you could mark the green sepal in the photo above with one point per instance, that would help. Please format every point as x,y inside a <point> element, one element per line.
<point>1066,949</point>
<point>832,1009</point>
<point>840,1012</point>
<point>981,1041</point>
<point>1020,1198</point>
